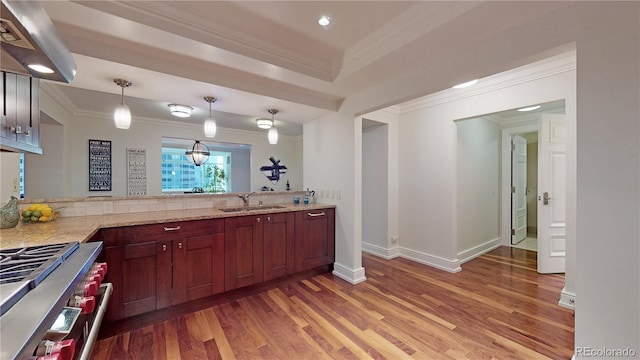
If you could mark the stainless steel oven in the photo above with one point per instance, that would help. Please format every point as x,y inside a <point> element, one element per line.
<point>51,300</point>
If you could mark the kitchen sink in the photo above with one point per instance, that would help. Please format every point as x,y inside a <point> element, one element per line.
<point>251,208</point>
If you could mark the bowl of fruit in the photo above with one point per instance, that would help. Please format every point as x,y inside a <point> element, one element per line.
<point>38,213</point>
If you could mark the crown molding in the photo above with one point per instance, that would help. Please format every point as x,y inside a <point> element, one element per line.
<point>59,97</point>
<point>412,24</point>
<point>548,67</point>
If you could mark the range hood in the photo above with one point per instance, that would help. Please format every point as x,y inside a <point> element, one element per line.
<point>29,38</point>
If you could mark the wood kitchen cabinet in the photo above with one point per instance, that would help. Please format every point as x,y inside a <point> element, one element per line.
<point>154,266</point>
<point>258,248</point>
<point>314,238</point>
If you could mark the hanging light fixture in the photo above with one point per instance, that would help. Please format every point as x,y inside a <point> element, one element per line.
<point>122,114</point>
<point>198,153</point>
<point>273,132</point>
<point>180,110</point>
<point>210,127</point>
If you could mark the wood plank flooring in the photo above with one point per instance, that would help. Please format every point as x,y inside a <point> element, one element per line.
<point>498,307</point>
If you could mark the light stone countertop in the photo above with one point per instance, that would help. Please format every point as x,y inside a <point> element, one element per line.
<point>81,228</point>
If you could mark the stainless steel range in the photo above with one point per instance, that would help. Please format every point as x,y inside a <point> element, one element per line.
<point>25,268</point>
<point>36,284</point>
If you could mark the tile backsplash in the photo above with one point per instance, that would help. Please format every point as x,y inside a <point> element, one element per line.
<point>123,205</point>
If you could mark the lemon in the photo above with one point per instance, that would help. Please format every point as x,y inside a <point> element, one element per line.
<point>44,218</point>
<point>47,212</point>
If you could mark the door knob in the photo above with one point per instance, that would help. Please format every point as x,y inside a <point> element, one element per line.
<point>546,198</point>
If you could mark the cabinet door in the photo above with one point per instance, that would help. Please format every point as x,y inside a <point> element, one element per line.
<point>314,238</point>
<point>278,245</point>
<point>199,265</point>
<point>164,273</point>
<point>23,109</point>
<point>243,251</point>
<point>113,253</point>
<point>139,288</point>
<point>10,105</point>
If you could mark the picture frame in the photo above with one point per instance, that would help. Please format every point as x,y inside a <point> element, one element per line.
<point>99,165</point>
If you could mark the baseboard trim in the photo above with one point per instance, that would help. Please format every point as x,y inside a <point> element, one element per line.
<point>452,266</point>
<point>478,250</point>
<point>567,299</point>
<point>350,275</point>
<point>379,251</point>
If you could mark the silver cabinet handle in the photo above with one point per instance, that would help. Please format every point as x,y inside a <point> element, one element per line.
<point>258,219</point>
<point>180,245</point>
<point>164,247</point>
<point>268,218</point>
<point>172,228</point>
<point>316,214</point>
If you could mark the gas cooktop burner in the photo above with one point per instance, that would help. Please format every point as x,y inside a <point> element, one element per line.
<point>25,268</point>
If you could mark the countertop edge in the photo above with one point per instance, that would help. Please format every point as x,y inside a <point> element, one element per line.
<point>82,228</point>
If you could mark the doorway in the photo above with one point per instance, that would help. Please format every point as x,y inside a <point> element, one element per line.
<point>524,206</point>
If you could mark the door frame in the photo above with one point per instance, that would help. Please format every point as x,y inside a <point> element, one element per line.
<point>505,178</point>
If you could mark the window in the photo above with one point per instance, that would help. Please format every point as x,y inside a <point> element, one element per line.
<point>180,174</point>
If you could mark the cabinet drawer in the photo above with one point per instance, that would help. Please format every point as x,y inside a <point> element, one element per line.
<point>172,230</point>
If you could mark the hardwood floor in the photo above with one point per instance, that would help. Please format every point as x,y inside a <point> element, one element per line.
<point>498,307</point>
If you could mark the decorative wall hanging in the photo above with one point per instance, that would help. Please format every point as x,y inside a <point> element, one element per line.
<point>99,165</point>
<point>274,171</point>
<point>136,172</point>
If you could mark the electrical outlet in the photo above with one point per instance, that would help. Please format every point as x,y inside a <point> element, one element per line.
<point>338,194</point>
<point>572,301</point>
<point>332,194</point>
<point>16,185</point>
<point>394,239</point>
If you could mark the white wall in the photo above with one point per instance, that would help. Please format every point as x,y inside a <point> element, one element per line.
<point>147,134</point>
<point>10,164</point>
<point>332,153</point>
<point>608,179</point>
<point>375,184</point>
<point>44,174</point>
<point>428,146</point>
<point>478,188</point>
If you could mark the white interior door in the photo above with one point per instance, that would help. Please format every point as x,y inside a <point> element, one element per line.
<point>518,189</point>
<point>551,194</point>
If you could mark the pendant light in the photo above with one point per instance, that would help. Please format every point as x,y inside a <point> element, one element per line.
<point>122,114</point>
<point>198,153</point>
<point>273,132</point>
<point>210,127</point>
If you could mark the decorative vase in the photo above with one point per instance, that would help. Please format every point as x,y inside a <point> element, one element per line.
<point>9,214</point>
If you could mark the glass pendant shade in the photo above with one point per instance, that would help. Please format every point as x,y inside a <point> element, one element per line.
<point>122,116</point>
<point>273,136</point>
<point>198,154</point>
<point>210,128</point>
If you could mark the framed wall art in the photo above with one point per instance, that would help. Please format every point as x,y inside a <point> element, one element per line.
<point>99,165</point>
<point>136,172</point>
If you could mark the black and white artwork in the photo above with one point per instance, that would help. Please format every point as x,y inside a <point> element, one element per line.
<point>99,165</point>
<point>136,172</point>
<point>274,171</point>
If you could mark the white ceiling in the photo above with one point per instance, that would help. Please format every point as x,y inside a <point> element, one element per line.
<point>256,55</point>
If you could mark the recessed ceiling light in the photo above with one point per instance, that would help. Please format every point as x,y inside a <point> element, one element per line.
<point>530,108</point>
<point>324,20</point>
<point>466,84</point>
<point>40,68</point>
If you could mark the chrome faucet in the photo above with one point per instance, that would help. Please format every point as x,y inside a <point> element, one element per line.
<point>245,198</point>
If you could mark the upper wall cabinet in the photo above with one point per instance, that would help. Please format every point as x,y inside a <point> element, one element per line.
<point>20,113</point>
